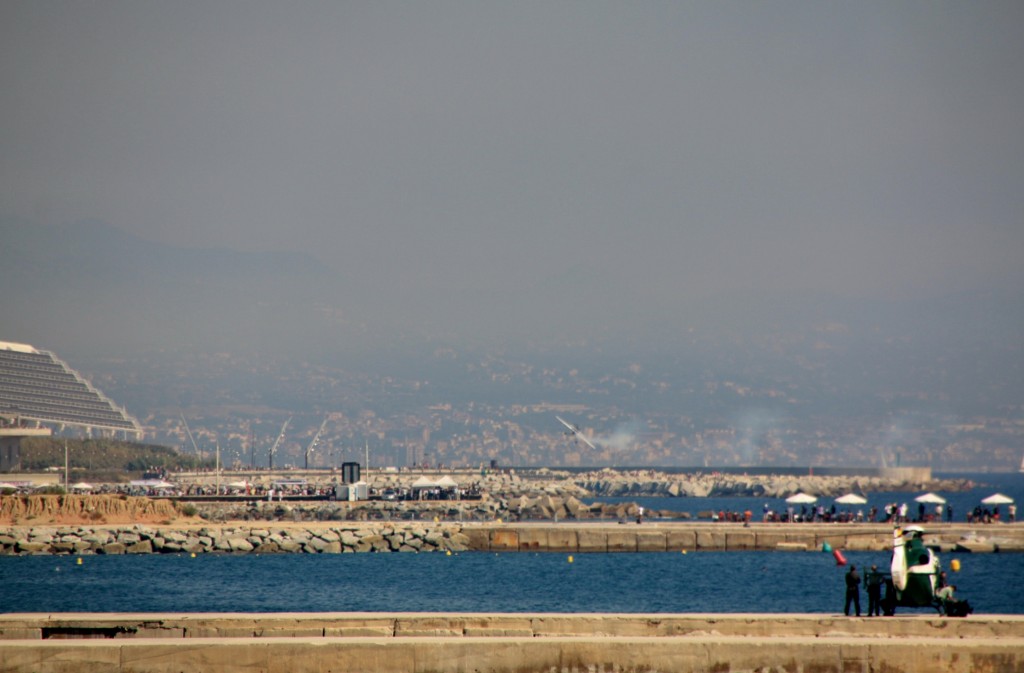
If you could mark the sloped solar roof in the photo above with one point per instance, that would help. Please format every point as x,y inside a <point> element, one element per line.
<point>37,386</point>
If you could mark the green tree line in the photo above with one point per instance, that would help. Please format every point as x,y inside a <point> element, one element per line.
<point>103,456</point>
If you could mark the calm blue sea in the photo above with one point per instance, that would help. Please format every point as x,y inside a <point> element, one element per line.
<point>469,582</point>
<point>483,582</point>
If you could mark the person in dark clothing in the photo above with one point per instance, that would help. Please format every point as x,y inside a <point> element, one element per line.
<point>874,585</point>
<point>852,591</point>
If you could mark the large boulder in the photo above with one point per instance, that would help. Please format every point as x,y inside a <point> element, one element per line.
<point>112,548</point>
<point>239,544</point>
<point>32,546</point>
<point>140,547</point>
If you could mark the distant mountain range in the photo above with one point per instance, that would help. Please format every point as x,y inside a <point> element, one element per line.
<point>90,288</point>
<point>91,285</point>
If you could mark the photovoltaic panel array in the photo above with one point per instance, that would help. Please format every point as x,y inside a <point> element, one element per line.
<point>35,385</point>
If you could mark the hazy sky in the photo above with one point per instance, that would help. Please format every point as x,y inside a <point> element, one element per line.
<point>481,157</point>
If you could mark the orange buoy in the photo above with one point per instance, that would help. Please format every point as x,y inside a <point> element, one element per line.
<point>955,565</point>
<point>840,559</point>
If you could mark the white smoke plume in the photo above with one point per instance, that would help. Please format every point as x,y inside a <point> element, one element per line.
<point>623,438</point>
<point>755,428</point>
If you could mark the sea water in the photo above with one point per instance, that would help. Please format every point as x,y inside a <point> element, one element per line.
<point>509,582</point>
<point>695,582</point>
<point>962,502</point>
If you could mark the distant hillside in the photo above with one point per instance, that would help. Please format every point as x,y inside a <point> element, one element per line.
<point>89,286</point>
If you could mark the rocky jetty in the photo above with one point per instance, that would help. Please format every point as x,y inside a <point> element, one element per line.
<point>543,507</point>
<point>497,484</point>
<point>119,524</point>
<point>86,540</point>
<point>613,483</point>
<point>540,495</point>
<point>609,482</point>
<point>390,537</point>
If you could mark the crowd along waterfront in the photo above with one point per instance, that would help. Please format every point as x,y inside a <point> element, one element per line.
<point>962,502</point>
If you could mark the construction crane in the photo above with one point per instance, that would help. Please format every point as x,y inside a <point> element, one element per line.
<point>277,443</point>
<point>192,439</point>
<point>312,444</point>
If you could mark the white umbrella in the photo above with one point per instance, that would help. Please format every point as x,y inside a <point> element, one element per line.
<point>851,499</point>
<point>997,499</point>
<point>933,498</point>
<point>801,499</point>
<point>82,486</point>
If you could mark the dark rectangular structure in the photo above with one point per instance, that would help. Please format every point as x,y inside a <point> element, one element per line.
<point>349,473</point>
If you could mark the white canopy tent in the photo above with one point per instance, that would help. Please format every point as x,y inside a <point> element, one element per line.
<point>423,482</point>
<point>851,499</point>
<point>801,499</point>
<point>932,498</point>
<point>997,499</point>
<point>151,483</point>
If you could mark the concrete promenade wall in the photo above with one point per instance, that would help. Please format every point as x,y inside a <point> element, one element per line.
<point>573,537</point>
<point>661,537</point>
<point>439,643</point>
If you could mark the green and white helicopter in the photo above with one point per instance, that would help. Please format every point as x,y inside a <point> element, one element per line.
<point>914,580</point>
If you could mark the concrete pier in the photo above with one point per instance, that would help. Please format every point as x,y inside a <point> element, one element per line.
<point>513,643</point>
<point>423,536</point>
<point>702,536</point>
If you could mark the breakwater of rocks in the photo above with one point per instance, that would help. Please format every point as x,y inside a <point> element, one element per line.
<point>558,496</point>
<point>503,537</point>
<point>99,510</point>
<point>521,508</point>
<point>652,483</point>
<point>618,483</point>
<point>86,540</point>
<point>544,495</point>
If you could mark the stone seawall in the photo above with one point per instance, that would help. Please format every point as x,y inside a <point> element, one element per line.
<point>232,539</point>
<point>455,537</point>
<point>701,485</point>
<point>499,643</point>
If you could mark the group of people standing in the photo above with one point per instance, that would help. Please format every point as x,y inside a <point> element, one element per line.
<point>899,513</point>
<point>986,515</point>
<point>873,582</point>
<point>947,603</point>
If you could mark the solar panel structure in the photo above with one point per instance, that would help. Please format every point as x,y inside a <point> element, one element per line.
<point>37,386</point>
